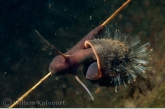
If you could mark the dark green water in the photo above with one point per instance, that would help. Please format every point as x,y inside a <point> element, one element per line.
<point>25,57</point>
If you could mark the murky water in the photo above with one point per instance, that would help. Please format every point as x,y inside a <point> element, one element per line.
<point>25,57</point>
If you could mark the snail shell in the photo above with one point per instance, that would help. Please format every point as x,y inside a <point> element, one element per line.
<point>119,59</point>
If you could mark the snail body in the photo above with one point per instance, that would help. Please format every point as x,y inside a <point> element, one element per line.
<point>114,59</point>
<point>119,59</point>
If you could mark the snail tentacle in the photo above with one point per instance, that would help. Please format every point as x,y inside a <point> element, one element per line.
<point>84,87</point>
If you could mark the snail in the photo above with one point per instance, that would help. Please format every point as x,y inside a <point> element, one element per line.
<point>112,60</point>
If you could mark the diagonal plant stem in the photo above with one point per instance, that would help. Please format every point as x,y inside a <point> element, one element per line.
<point>45,77</point>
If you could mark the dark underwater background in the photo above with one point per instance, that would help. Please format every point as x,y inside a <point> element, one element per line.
<point>25,57</point>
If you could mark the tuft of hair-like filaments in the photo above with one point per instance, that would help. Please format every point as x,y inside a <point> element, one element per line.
<point>128,58</point>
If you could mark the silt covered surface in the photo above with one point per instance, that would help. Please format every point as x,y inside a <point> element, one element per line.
<point>25,57</point>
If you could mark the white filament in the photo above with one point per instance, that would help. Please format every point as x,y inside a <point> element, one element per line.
<point>84,86</point>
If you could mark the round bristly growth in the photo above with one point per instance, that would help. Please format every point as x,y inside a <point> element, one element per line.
<point>121,58</point>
